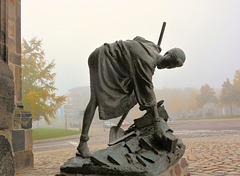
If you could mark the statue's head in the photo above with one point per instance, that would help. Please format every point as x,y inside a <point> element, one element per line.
<point>171,59</point>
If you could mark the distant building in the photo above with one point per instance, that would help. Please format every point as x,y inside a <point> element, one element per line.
<point>80,97</point>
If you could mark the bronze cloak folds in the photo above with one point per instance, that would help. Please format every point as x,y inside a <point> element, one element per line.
<point>121,76</point>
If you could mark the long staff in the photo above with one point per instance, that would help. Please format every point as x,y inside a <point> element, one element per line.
<point>161,34</point>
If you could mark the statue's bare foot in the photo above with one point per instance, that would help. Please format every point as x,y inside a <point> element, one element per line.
<point>83,150</point>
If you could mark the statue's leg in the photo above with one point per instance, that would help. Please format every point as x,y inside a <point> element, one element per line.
<point>87,120</point>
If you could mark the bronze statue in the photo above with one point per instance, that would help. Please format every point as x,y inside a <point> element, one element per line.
<point>120,77</point>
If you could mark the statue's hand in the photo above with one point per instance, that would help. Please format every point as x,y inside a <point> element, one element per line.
<point>160,128</point>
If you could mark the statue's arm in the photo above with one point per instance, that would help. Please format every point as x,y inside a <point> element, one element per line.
<point>155,113</point>
<point>159,123</point>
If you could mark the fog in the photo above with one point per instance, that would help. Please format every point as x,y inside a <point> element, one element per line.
<point>208,32</point>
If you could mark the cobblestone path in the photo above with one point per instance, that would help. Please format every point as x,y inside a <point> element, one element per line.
<point>215,155</point>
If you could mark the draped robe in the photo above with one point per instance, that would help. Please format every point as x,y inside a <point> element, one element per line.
<point>121,76</point>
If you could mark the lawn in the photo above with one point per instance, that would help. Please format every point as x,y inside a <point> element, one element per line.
<point>45,133</point>
<point>212,117</point>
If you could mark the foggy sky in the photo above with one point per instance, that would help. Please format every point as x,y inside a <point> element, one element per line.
<point>207,30</point>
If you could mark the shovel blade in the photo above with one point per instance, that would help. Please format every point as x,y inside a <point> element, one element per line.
<point>115,133</point>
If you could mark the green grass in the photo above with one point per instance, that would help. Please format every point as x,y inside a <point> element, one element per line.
<point>46,133</point>
<point>213,117</point>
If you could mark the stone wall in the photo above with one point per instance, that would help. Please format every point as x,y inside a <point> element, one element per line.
<point>22,141</point>
<point>6,119</point>
<point>6,97</point>
<point>17,127</point>
<point>13,44</point>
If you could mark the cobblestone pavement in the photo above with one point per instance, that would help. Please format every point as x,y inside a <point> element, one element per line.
<point>216,154</point>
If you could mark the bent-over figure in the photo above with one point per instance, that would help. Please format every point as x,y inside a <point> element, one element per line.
<point>120,77</point>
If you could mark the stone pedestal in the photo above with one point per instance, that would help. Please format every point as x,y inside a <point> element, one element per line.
<point>178,169</point>
<point>140,151</point>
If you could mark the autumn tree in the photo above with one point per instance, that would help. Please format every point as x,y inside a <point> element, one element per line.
<point>227,94</point>
<point>39,91</point>
<point>207,95</point>
<point>176,103</point>
<point>192,103</point>
<point>236,87</point>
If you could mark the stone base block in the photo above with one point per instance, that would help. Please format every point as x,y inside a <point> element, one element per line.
<point>28,140</point>
<point>178,169</point>
<point>23,160</point>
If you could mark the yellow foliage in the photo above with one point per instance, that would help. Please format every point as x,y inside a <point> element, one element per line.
<point>39,95</point>
<point>176,103</point>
